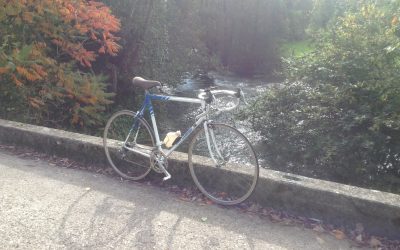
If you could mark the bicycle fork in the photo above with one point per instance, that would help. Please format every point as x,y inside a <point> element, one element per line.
<point>210,138</point>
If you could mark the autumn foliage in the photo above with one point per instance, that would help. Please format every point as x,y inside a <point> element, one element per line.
<point>46,52</point>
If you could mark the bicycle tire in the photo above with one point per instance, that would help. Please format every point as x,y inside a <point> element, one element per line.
<point>126,163</point>
<point>235,177</point>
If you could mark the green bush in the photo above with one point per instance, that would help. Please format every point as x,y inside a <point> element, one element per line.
<point>338,114</point>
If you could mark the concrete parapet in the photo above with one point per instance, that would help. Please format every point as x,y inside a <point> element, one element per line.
<point>335,203</point>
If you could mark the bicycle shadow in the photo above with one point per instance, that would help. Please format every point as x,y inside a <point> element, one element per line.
<point>133,215</point>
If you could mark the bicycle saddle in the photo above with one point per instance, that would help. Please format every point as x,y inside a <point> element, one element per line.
<point>143,83</point>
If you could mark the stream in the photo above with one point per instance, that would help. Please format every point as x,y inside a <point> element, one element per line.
<point>180,116</point>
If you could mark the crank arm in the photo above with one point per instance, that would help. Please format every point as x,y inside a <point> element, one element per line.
<point>167,175</point>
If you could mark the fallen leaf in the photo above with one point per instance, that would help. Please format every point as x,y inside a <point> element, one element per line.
<point>374,242</point>
<point>287,222</point>
<point>209,202</point>
<point>339,234</point>
<point>253,208</point>
<point>275,218</point>
<point>265,211</point>
<point>222,194</point>
<point>319,229</point>
<point>320,240</point>
<point>184,198</point>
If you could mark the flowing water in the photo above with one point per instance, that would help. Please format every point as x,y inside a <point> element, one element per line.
<point>180,116</point>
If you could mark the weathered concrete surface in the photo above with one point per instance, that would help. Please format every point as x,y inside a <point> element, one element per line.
<point>45,207</point>
<point>328,201</point>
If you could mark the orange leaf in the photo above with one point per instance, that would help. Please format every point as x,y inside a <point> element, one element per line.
<point>16,81</point>
<point>374,242</point>
<point>112,47</point>
<point>395,20</point>
<point>102,50</point>
<point>28,17</point>
<point>75,119</point>
<point>93,36</point>
<point>319,229</point>
<point>34,105</point>
<point>3,70</point>
<point>28,74</point>
<point>39,70</point>
<point>339,234</point>
<point>35,102</point>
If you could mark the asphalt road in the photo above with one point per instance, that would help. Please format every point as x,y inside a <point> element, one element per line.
<point>48,207</point>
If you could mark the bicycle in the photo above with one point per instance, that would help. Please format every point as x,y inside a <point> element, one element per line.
<point>222,161</point>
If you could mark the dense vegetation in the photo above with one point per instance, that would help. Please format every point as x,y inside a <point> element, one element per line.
<point>76,64</point>
<point>337,115</point>
<point>46,51</point>
<point>68,64</point>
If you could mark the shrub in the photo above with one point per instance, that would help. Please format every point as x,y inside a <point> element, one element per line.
<point>338,114</point>
<point>46,51</point>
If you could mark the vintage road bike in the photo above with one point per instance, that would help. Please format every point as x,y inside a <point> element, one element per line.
<point>222,161</point>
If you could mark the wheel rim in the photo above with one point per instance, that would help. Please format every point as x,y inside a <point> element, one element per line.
<point>232,180</point>
<point>126,163</point>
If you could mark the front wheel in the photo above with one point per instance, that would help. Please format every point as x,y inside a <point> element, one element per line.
<point>124,132</point>
<point>223,164</point>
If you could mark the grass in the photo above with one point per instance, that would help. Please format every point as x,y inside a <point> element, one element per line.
<point>296,48</point>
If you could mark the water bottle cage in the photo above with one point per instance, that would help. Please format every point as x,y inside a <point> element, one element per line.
<point>176,140</point>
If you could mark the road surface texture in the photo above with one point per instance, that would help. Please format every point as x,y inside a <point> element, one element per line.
<point>48,207</point>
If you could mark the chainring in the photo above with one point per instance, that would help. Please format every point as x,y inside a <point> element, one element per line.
<point>158,156</point>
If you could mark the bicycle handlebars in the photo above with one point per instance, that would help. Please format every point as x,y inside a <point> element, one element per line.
<point>215,93</point>
<point>211,95</point>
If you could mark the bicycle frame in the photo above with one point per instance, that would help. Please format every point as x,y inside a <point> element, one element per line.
<point>147,104</point>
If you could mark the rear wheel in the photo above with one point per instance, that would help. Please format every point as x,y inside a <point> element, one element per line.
<point>128,164</point>
<point>225,167</point>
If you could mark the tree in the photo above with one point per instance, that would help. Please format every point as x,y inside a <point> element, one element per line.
<point>46,52</point>
<point>338,114</point>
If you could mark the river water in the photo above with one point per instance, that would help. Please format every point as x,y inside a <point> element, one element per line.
<point>180,116</point>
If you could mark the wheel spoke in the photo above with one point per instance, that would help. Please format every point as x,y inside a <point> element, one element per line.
<point>236,173</point>
<point>118,130</point>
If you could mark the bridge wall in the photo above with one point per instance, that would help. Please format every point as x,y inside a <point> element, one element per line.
<point>335,203</point>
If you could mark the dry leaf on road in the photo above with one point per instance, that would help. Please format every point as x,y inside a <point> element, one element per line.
<point>339,234</point>
<point>374,242</point>
<point>320,240</point>
<point>319,229</point>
